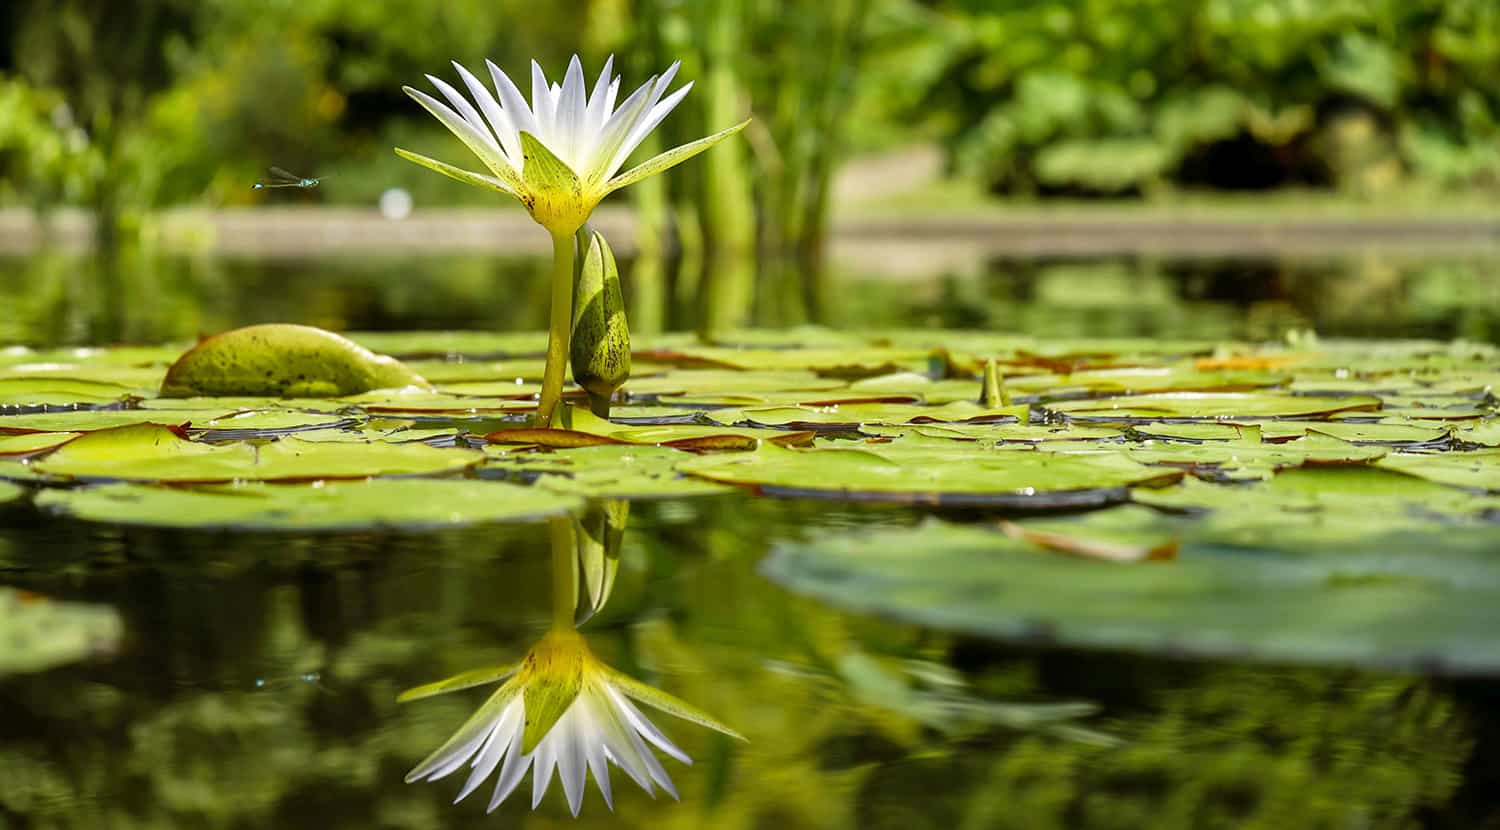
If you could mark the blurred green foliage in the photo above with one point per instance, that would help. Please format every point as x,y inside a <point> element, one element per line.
<point>1102,96</point>
<point>171,101</point>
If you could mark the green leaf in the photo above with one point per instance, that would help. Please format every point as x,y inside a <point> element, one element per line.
<point>10,492</point>
<point>457,173</point>
<point>668,703</point>
<point>670,158</point>
<point>460,681</point>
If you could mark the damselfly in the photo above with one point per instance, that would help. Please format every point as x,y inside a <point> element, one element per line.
<point>278,177</point>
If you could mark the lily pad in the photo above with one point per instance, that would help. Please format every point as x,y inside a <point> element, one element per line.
<point>1374,606</point>
<point>1237,405</point>
<point>1008,478</point>
<point>1478,470</point>
<point>10,492</point>
<point>611,471</point>
<point>41,633</point>
<point>405,504</point>
<point>152,452</point>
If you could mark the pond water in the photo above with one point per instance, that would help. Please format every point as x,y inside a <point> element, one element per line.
<point>256,682</point>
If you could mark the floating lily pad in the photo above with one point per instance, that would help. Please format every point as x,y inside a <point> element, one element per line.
<point>10,492</point>
<point>53,391</point>
<point>1478,470</point>
<point>851,416</point>
<point>609,471</point>
<point>152,452</point>
<point>1235,405</point>
<point>40,633</point>
<point>33,442</point>
<point>407,504</point>
<point>1385,604</point>
<point>1015,478</point>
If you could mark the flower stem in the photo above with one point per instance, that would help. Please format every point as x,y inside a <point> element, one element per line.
<point>559,328</point>
<point>564,573</point>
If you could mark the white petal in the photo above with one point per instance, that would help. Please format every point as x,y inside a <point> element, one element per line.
<point>514,102</point>
<point>571,102</point>
<point>465,109</point>
<point>644,128</point>
<point>570,759</point>
<point>596,753</point>
<point>510,140</point>
<point>454,760</point>
<point>644,726</point>
<point>543,761</point>
<point>542,104</point>
<point>653,766</point>
<point>514,769</point>
<point>598,100</point>
<point>619,748</point>
<point>490,754</point>
<point>616,129</point>
<point>609,100</point>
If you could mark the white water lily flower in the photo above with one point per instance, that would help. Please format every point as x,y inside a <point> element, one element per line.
<point>560,709</point>
<point>559,154</point>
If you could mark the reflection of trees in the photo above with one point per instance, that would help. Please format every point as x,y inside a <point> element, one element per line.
<point>176,736</point>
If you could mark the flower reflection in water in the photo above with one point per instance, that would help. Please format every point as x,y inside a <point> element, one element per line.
<point>561,708</point>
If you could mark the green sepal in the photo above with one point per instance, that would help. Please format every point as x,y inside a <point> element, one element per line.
<point>459,682</point>
<point>554,679</point>
<point>670,704</point>
<point>670,158</point>
<point>456,173</point>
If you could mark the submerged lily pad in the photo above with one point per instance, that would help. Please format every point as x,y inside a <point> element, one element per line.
<point>407,504</point>
<point>40,633</point>
<point>1384,604</point>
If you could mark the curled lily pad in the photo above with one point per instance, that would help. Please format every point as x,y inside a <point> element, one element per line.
<point>153,452</point>
<point>1017,478</point>
<point>283,360</point>
<point>407,504</point>
<point>40,633</point>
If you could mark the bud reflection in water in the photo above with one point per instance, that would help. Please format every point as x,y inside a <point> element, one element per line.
<point>559,707</point>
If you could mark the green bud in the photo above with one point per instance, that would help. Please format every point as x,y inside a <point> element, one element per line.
<point>600,350</point>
